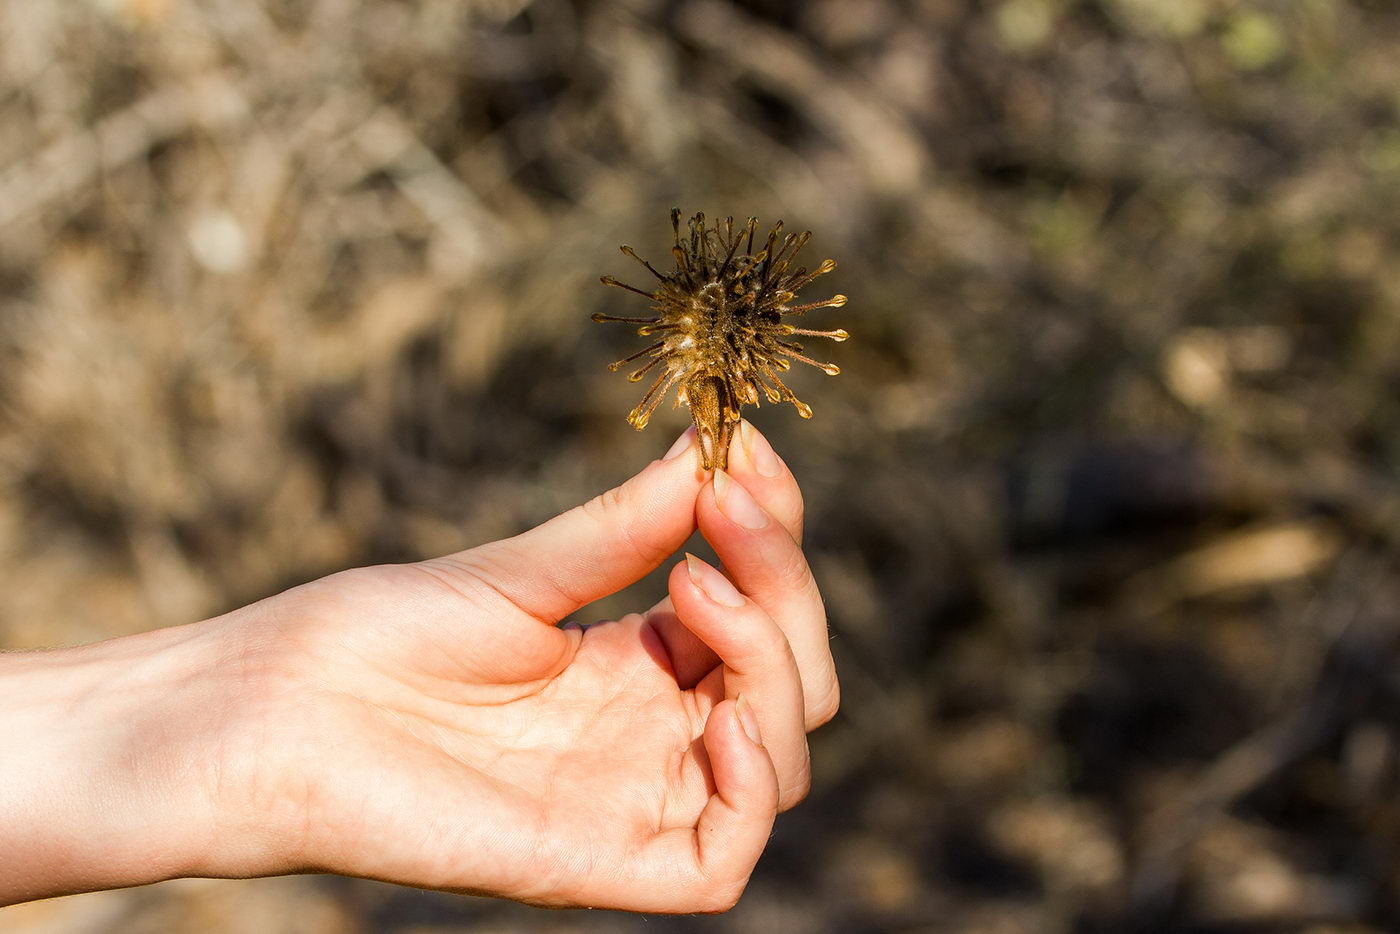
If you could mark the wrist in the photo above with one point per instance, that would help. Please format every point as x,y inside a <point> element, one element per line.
<point>112,759</point>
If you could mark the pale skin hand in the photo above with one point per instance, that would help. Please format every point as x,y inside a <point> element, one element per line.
<point>429,724</point>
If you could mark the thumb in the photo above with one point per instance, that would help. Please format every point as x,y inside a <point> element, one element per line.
<point>598,548</point>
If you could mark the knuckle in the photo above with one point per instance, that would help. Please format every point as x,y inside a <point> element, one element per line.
<point>605,507</point>
<point>610,510</point>
<point>769,642</point>
<point>796,574</point>
<point>468,575</point>
<point>792,564</point>
<point>765,650</point>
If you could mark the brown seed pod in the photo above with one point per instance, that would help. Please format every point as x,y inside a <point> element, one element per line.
<point>719,322</point>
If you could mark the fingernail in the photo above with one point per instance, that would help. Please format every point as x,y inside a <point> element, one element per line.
<point>748,719</point>
<point>572,624</point>
<point>715,585</point>
<point>736,503</point>
<point>681,445</point>
<point>759,452</point>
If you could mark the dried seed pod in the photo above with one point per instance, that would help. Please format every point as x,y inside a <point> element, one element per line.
<point>718,323</point>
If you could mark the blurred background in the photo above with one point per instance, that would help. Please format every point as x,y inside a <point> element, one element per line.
<point>1104,504</point>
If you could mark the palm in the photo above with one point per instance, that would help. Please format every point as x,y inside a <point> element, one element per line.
<point>484,716</point>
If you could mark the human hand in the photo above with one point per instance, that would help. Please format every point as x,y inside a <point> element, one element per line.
<point>428,724</point>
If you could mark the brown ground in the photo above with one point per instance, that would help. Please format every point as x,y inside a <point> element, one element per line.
<point>1104,505</point>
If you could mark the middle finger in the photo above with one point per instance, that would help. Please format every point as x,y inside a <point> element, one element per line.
<point>765,563</point>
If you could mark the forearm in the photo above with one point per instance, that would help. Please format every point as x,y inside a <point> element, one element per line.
<point>104,777</point>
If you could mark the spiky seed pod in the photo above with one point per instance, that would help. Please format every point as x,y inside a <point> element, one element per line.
<point>718,320</point>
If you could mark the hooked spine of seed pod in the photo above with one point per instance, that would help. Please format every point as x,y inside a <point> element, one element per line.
<point>719,315</point>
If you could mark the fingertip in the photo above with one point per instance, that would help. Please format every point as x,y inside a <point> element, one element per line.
<point>714,585</point>
<point>719,853</point>
<point>738,504</point>
<point>740,632</point>
<point>710,620</point>
<point>681,445</point>
<point>683,457</point>
<point>745,778</point>
<point>753,449</point>
<point>754,465</point>
<point>734,827</point>
<point>748,720</point>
